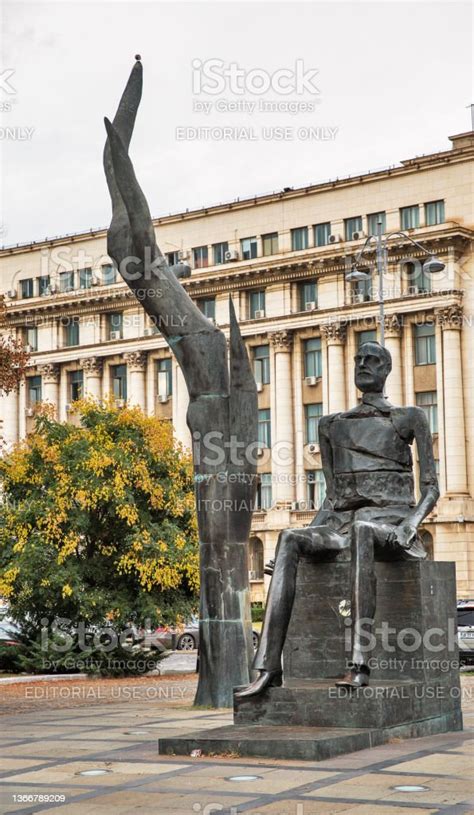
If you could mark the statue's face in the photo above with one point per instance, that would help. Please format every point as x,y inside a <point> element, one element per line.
<point>371,368</point>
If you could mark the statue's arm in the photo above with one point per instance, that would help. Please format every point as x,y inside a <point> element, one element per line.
<point>429,488</point>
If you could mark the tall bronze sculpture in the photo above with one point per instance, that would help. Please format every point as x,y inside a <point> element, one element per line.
<point>221,401</point>
<point>370,507</point>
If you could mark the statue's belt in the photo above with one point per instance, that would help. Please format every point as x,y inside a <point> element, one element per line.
<point>377,488</point>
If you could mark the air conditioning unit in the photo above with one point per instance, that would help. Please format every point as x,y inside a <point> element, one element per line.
<point>163,398</point>
<point>357,297</point>
<point>260,452</point>
<point>29,411</point>
<point>311,306</point>
<point>259,387</point>
<point>231,254</point>
<point>413,290</point>
<point>259,314</point>
<point>95,281</point>
<point>334,239</point>
<point>120,403</point>
<point>182,255</point>
<point>357,236</point>
<point>12,293</point>
<point>52,288</point>
<point>313,448</point>
<point>149,332</point>
<point>114,335</point>
<point>253,575</point>
<point>28,348</point>
<point>311,380</point>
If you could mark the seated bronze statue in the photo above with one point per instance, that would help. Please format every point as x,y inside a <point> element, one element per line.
<point>369,507</point>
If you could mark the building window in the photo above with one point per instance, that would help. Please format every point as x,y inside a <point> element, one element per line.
<point>255,559</point>
<point>352,225</point>
<point>66,281</point>
<point>370,335</point>
<point>270,243</point>
<point>165,377</point>
<point>361,290</point>
<point>434,213</point>
<point>308,295</point>
<point>71,331</point>
<point>373,223</point>
<point>428,401</point>
<point>312,415</point>
<point>418,281</point>
<point>208,307</point>
<point>322,233</point>
<point>315,488</point>
<point>44,283</point>
<point>410,217</point>
<point>248,248</point>
<point>75,385</point>
<point>425,344</point>
<point>263,498</point>
<point>219,251</point>
<point>201,257</point>
<point>34,390</point>
<point>257,304</point>
<point>264,434</point>
<point>261,364</point>
<point>115,326</point>
<point>26,287</point>
<point>119,381</point>
<point>299,238</point>
<point>85,278</point>
<point>31,337</point>
<point>172,258</point>
<point>109,274</point>
<point>313,363</point>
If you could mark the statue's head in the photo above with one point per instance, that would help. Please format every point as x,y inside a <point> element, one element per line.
<point>373,364</point>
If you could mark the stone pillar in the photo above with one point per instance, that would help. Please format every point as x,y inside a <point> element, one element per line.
<point>335,336</point>
<point>10,411</point>
<point>283,447</point>
<point>180,407</point>
<point>92,367</point>
<point>50,385</point>
<point>136,362</point>
<point>393,333</point>
<point>299,423</point>
<point>450,320</point>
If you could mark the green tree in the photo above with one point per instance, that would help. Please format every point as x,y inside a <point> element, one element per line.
<point>98,521</point>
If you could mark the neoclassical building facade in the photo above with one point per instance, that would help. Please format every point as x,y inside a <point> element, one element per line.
<point>283,258</point>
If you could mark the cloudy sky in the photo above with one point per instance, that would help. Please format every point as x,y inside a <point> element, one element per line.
<point>372,83</point>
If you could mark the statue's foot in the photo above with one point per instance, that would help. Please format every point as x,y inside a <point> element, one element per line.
<point>265,679</point>
<point>357,677</point>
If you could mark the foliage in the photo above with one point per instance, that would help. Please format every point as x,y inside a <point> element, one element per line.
<point>98,522</point>
<point>258,612</point>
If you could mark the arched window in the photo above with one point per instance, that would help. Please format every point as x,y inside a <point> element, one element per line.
<point>427,541</point>
<point>255,559</point>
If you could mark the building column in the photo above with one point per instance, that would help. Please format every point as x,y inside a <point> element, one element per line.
<point>50,385</point>
<point>335,336</point>
<point>180,407</point>
<point>393,337</point>
<point>136,365</point>
<point>283,446</point>
<point>92,367</point>
<point>10,412</point>
<point>299,424</point>
<point>450,320</point>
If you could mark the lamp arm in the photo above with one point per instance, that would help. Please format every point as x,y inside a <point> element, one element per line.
<point>404,235</point>
<point>361,251</point>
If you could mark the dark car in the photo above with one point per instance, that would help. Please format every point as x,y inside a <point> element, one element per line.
<point>465,614</point>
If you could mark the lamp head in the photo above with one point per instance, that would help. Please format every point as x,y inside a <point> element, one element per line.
<point>356,274</point>
<point>433,264</point>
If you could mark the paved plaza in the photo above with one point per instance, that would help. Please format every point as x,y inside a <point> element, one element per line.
<point>63,729</point>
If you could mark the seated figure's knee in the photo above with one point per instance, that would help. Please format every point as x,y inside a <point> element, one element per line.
<point>287,543</point>
<point>362,526</point>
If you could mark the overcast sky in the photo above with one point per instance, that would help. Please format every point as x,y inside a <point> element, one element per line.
<point>383,81</point>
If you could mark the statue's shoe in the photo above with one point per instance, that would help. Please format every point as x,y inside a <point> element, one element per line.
<point>357,677</point>
<point>266,679</point>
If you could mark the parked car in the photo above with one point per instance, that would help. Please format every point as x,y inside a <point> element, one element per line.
<point>187,637</point>
<point>9,632</point>
<point>465,613</point>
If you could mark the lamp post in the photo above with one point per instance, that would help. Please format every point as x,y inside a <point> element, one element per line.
<point>431,265</point>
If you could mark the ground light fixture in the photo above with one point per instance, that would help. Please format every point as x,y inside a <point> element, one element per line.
<point>94,772</point>
<point>410,788</point>
<point>240,778</point>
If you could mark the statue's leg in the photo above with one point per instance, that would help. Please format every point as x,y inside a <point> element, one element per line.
<point>363,600</point>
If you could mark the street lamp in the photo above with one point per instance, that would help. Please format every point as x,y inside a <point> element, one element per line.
<point>431,265</point>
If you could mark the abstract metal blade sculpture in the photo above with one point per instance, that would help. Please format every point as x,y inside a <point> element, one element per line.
<point>223,404</point>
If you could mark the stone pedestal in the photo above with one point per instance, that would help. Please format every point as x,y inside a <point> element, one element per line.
<point>414,688</point>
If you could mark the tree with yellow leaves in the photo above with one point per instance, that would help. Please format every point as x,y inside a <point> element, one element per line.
<point>98,521</point>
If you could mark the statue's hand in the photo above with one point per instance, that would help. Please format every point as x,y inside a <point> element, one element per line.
<point>404,535</point>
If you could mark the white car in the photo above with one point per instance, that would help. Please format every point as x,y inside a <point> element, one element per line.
<point>466,631</point>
